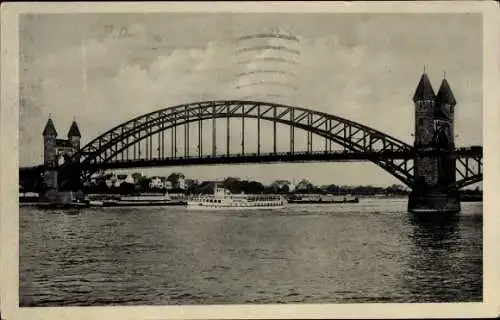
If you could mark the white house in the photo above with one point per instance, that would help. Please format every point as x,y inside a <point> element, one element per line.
<point>156,182</point>
<point>182,183</point>
<point>129,179</point>
<point>121,178</point>
<point>168,185</point>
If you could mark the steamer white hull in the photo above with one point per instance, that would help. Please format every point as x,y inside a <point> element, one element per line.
<point>197,206</point>
<point>223,200</point>
<point>206,208</point>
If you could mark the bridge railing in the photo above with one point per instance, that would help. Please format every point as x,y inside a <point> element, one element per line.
<point>368,154</point>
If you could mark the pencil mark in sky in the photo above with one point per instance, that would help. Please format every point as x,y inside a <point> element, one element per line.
<point>267,36</point>
<point>263,96</point>
<point>268,47</point>
<point>242,74</point>
<point>263,83</point>
<point>269,59</point>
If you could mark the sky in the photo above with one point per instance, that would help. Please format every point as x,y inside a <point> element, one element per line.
<point>104,69</point>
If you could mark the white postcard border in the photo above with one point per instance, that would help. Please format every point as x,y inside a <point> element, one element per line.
<point>9,123</point>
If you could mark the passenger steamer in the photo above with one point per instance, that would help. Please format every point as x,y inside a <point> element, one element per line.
<point>222,199</point>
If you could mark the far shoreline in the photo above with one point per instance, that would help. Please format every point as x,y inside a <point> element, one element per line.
<point>464,198</point>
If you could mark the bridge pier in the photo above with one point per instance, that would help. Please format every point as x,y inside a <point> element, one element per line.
<point>434,201</point>
<point>433,190</point>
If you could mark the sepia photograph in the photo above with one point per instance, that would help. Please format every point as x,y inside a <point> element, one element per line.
<point>194,155</point>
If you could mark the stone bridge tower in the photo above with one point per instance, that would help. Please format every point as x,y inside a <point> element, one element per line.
<point>58,151</point>
<point>434,130</point>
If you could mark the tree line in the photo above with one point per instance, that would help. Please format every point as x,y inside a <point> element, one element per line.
<point>236,186</point>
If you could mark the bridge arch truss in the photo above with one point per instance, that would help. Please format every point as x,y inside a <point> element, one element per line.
<point>118,146</point>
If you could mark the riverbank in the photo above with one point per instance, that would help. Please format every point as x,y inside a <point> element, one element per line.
<point>108,200</point>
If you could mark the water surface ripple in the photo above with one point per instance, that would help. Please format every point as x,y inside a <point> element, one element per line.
<point>368,252</point>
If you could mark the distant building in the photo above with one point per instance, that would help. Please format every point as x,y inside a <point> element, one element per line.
<point>156,183</point>
<point>168,185</point>
<point>303,185</point>
<point>181,183</point>
<point>111,180</point>
<point>177,180</point>
<point>123,178</point>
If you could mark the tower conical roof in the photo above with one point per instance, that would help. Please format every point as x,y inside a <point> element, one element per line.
<point>50,129</point>
<point>445,95</point>
<point>424,90</point>
<point>74,131</point>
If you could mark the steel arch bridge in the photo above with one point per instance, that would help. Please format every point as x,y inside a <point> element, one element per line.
<point>123,146</point>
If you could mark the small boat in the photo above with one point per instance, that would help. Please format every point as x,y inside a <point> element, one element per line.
<point>148,200</point>
<point>96,203</point>
<point>222,199</point>
<point>63,205</point>
<point>322,199</point>
<point>135,201</point>
<point>120,203</point>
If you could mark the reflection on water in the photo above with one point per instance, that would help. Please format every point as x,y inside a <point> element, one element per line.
<point>445,248</point>
<point>368,252</point>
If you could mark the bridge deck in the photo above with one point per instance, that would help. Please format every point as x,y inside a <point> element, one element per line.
<point>318,156</point>
<point>315,156</point>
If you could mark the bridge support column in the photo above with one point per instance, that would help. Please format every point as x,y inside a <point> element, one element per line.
<point>50,178</point>
<point>426,201</point>
<point>50,184</point>
<point>58,193</point>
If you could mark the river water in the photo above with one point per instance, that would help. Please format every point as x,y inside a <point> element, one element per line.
<point>343,253</point>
